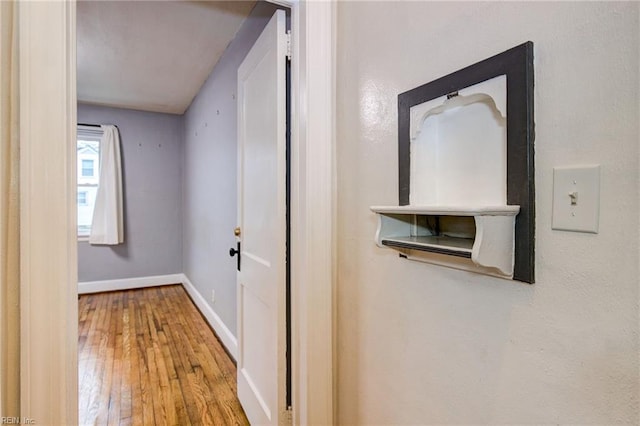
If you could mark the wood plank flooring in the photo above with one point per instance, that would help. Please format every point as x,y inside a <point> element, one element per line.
<point>147,357</point>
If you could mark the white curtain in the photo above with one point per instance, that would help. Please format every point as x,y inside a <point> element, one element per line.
<point>9,213</point>
<point>107,226</point>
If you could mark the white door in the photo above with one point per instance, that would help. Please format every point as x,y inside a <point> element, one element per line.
<point>262,223</point>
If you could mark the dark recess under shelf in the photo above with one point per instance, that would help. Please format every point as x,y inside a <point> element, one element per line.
<point>460,247</point>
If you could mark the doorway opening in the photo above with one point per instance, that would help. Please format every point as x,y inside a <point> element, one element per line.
<point>147,152</point>
<point>48,321</point>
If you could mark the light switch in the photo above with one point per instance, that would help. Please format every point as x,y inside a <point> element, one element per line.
<point>576,198</point>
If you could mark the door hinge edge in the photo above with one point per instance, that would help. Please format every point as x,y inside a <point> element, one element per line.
<point>289,45</point>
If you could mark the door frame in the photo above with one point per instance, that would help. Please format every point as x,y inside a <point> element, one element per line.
<point>313,195</point>
<point>48,254</point>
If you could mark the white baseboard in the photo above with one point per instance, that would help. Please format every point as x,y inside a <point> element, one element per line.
<point>224,334</point>
<point>128,283</point>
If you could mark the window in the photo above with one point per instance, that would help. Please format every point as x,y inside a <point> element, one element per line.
<point>87,168</point>
<point>82,198</point>
<point>88,155</point>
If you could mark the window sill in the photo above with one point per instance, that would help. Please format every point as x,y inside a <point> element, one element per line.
<point>83,238</point>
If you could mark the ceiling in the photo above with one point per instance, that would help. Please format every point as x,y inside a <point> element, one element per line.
<point>151,55</point>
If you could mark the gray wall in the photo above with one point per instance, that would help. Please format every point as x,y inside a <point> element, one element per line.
<point>209,174</point>
<point>151,156</point>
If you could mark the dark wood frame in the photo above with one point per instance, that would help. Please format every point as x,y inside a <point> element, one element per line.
<point>517,65</point>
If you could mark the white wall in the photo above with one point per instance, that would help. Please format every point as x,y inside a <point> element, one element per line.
<point>422,344</point>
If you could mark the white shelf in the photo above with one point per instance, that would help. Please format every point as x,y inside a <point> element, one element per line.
<point>485,243</point>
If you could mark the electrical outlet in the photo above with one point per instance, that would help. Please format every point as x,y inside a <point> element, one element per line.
<point>213,296</point>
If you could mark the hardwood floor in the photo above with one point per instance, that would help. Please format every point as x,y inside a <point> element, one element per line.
<point>148,357</point>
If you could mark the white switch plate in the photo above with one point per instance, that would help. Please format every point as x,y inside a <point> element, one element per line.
<point>582,184</point>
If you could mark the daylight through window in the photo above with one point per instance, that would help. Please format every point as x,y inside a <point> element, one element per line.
<point>87,168</point>
<point>88,155</point>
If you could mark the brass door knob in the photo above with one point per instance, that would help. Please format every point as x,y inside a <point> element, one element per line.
<point>236,232</point>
